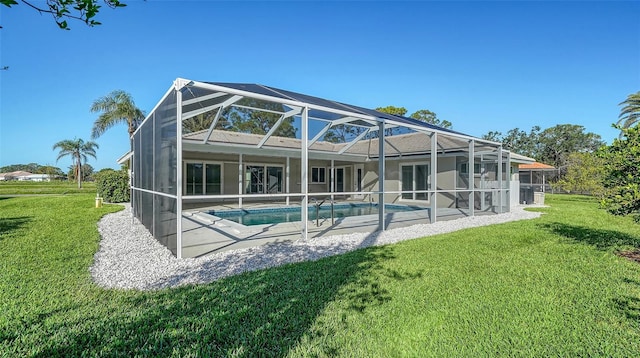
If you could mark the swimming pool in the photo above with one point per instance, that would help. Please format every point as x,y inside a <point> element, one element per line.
<point>281,215</point>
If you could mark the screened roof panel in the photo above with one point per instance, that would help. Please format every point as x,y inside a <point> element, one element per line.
<point>314,100</point>
<point>250,87</point>
<point>303,98</point>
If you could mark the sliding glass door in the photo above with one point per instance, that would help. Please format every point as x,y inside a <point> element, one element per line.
<point>203,178</point>
<point>263,179</point>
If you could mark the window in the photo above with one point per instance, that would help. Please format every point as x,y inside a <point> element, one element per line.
<point>318,175</point>
<point>203,178</point>
<point>477,169</point>
<point>263,179</point>
<point>415,177</point>
<point>464,168</point>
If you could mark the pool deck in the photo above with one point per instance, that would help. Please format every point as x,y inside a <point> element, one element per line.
<point>205,234</point>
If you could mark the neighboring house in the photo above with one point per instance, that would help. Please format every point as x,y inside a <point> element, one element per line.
<point>534,178</point>
<point>36,177</point>
<point>182,183</point>
<point>14,175</point>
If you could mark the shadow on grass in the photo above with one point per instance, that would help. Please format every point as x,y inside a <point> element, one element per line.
<point>9,225</point>
<point>263,313</point>
<point>629,305</point>
<point>601,239</point>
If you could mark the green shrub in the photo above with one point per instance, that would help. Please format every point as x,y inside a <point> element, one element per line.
<point>113,185</point>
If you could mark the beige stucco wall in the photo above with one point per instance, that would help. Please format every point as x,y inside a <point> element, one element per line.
<point>446,176</point>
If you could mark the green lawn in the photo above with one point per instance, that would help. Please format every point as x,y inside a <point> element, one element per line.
<point>54,187</point>
<point>546,287</point>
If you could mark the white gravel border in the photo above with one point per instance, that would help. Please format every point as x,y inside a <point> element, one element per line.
<point>130,258</point>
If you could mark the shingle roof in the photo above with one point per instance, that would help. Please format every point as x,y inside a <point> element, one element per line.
<point>228,137</point>
<point>405,144</point>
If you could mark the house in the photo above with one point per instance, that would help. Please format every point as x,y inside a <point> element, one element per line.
<point>196,191</point>
<point>35,177</point>
<point>535,181</point>
<point>14,175</point>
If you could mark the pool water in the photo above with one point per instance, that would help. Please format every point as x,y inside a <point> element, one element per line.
<point>280,215</point>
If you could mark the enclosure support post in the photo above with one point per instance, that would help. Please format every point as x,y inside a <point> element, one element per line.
<point>381,176</point>
<point>483,185</point>
<point>500,185</point>
<point>304,169</point>
<point>287,173</point>
<point>472,192</point>
<point>178,171</point>
<point>332,179</point>
<point>240,170</point>
<point>434,176</point>
<point>508,196</point>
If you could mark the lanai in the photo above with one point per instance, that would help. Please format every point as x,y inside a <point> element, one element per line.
<point>160,160</point>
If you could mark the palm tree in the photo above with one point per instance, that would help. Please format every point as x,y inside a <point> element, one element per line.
<point>116,107</point>
<point>630,113</point>
<point>78,149</point>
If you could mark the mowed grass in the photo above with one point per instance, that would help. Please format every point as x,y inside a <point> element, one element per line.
<point>546,287</point>
<point>15,187</point>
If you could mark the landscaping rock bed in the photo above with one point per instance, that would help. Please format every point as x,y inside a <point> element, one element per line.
<point>130,258</point>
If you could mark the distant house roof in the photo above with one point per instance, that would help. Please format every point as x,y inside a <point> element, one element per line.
<point>15,174</point>
<point>535,166</point>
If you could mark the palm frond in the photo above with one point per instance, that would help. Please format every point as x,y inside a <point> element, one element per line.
<point>116,107</point>
<point>630,113</point>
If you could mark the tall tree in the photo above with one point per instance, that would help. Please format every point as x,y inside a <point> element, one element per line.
<point>622,173</point>
<point>87,172</point>
<point>396,111</point>
<point>116,107</point>
<point>260,122</point>
<point>204,120</point>
<point>517,140</point>
<point>427,116</point>
<point>630,112</point>
<point>50,170</point>
<point>78,150</point>
<point>342,133</point>
<point>522,142</point>
<point>584,174</point>
<point>61,10</point>
<point>556,143</point>
<point>494,136</point>
<point>31,168</point>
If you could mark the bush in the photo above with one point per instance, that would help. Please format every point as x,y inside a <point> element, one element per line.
<point>113,185</point>
<point>622,174</point>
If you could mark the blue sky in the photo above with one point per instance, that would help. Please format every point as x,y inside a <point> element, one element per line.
<point>481,65</point>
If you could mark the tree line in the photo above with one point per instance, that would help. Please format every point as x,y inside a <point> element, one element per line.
<point>586,164</point>
<point>53,172</point>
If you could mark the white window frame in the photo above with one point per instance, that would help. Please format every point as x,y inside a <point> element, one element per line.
<point>204,176</point>
<point>318,182</point>
<point>413,181</point>
<point>460,173</point>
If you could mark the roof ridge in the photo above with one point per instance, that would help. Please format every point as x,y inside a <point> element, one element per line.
<point>278,92</point>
